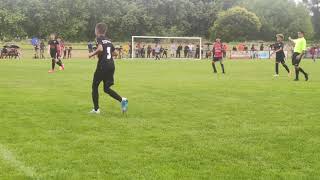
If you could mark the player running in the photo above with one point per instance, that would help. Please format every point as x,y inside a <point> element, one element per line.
<point>53,51</point>
<point>105,70</point>
<point>217,55</point>
<point>300,47</point>
<point>280,56</point>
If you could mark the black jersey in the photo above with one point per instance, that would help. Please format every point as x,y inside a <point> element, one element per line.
<point>105,57</point>
<point>280,54</point>
<point>53,44</point>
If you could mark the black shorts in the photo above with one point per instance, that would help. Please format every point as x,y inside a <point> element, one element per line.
<point>215,59</point>
<point>104,75</point>
<point>53,53</point>
<point>296,61</point>
<point>280,60</point>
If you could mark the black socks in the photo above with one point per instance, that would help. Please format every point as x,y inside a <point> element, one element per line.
<point>297,72</point>
<point>113,94</point>
<point>59,62</point>
<point>301,70</point>
<point>222,66</point>
<point>53,64</point>
<point>214,68</point>
<point>284,65</point>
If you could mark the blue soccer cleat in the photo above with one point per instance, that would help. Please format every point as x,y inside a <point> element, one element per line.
<point>124,105</point>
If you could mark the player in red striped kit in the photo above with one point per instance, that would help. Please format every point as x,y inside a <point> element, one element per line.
<point>218,50</point>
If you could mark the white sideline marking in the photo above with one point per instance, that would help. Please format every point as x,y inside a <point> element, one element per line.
<point>9,158</point>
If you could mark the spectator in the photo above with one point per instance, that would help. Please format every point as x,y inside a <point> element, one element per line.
<point>178,55</point>
<point>224,50</point>
<point>245,48</point>
<point>161,51</point>
<point>197,56</point>
<point>157,51</point>
<point>202,51</point>
<point>130,50</point>
<point>149,51</point>
<point>241,47</point>
<point>153,53</point>
<point>70,52</point>
<point>253,52</point>
<point>313,53</point>
<point>234,48</point>
<point>262,47</point>
<point>42,48</point>
<point>190,54</point>
<point>90,47</point>
<point>62,49</point>
<point>173,50</point>
<point>165,53</point>
<point>143,51</point>
<point>120,55</point>
<point>36,51</point>
<point>186,50</point>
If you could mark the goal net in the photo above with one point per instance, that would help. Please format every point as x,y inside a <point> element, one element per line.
<point>166,47</point>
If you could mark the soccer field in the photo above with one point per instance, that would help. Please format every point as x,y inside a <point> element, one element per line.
<point>184,122</point>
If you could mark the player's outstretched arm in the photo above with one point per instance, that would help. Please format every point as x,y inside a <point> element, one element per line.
<point>98,51</point>
<point>292,40</point>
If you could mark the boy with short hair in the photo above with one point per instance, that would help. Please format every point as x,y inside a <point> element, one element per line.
<point>280,56</point>
<point>105,70</point>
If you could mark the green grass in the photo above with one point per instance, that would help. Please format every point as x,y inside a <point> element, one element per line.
<point>184,122</point>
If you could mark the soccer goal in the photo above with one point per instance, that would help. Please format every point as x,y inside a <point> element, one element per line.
<point>169,47</point>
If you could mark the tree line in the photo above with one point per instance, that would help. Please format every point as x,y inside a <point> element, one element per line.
<point>229,19</point>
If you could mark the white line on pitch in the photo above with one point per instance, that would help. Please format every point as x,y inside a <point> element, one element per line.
<point>10,159</point>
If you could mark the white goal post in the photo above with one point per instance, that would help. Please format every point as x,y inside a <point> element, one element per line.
<point>162,37</point>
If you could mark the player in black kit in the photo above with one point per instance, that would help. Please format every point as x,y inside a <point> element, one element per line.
<point>280,56</point>
<point>53,51</point>
<point>105,69</point>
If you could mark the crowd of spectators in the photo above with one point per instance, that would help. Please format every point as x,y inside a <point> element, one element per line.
<point>173,50</point>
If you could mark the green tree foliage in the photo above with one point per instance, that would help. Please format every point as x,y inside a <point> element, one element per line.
<point>10,23</point>
<point>75,20</point>
<point>280,17</point>
<point>236,23</point>
<point>314,6</point>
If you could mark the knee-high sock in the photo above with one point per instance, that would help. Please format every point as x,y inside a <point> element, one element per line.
<point>53,64</point>
<point>277,68</point>
<point>214,67</point>
<point>297,71</point>
<point>286,67</point>
<point>59,62</point>
<point>113,94</point>
<point>222,67</point>
<point>95,97</point>
<point>301,70</point>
